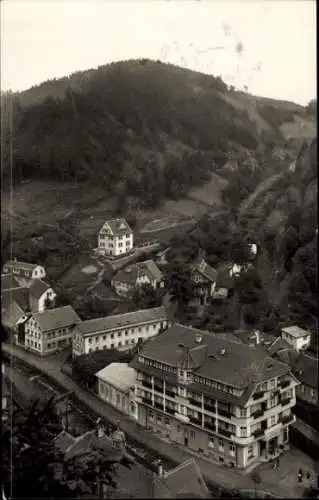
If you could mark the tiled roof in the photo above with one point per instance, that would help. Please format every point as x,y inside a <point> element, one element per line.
<point>277,345</point>
<point>118,226</point>
<point>208,272</point>
<point>119,375</point>
<point>304,367</point>
<point>59,317</point>
<point>8,282</point>
<point>227,362</point>
<point>26,266</point>
<point>38,288</point>
<point>121,320</point>
<point>224,280</point>
<point>89,442</point>
<point>295,331</point>
<point>186,479</point>
<point>133,272</point>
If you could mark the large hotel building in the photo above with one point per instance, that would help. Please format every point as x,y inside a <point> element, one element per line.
<point>230,401</point>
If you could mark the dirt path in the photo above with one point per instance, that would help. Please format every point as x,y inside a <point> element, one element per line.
<point>263,186</point>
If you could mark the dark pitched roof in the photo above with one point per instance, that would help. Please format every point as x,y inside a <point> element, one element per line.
<point>118,226</point>
<point>121,320</point>
<point>227,362</point>
<point>186,479</point>
<point>20,296</point>
<point>38,288</point>
<point>90,442</point>
<point>59,317</point>
<point>304,367</point>
<point>8,282</point>
<point>203,268</point>
<point>277,345</point>
<point>224,280</point>
<point>133,272</point>
<point>295,331</point>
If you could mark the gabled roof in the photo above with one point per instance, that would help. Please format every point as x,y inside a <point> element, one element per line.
<point>277,345</point>
<point>230,363</point>
<point>203,268</point>
<point>304,367</point>
<point>26,266</point>
<point>133,272</point>
<point>186,479</point>
<point>117,226</point>
<point>89,442</point>
<point>38,288</point>
<point>295,331</point>
<point>119,375</point>
<point>9,282</point>
<point>117,321</point>
<point>223,279</point>
<point>60,317</point>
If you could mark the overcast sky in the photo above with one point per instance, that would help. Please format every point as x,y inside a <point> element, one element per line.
<point>267,45</point>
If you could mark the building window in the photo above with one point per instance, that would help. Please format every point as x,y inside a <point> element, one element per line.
<point>285,435</point>
<point>273,420</point>
<point>243,412</point>
<point>126,332</point>
<point>192,434</point>
<point>90,341</point>
<point>243,432</point>
<point>119,344</point>
<point>220,444</point>
<point>272,383</point>
<point>250,451</point>
<point>232,449</point>
<point>119,334</point>
<point>178,428</point>
<point>272,402</point>
<point>112,335</point>
<point>302,388</point>
<point>112,346</point>
<point>167,421</point>
<point>159,419</point>
<point>104,337</point>
<point>221,460</point>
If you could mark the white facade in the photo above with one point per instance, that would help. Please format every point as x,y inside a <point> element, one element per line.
<point>38,272</point>
<point>48,342</point>
<point>122,338</point>
<point>297,337</point>
<point>115,244</point>
<point>49,294</point>
<point>116,384</point>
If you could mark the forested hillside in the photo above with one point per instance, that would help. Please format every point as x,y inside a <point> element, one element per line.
<point>140,128</point>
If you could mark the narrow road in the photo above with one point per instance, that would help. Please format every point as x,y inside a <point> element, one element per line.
<point>214,475</point>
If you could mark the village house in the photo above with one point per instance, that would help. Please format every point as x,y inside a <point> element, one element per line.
<point>24,272</point>
<point>51,330</point>
<point>183,481</point>
<point>116,384</point>
<point>115,238</point>
<point>203,278</point>
<point>135,275</point>
<point>161,257</point>
<point>121,331</point>
<point>296,337</point>
<point>41,296</point>
<point>224,284</point>
<point>227,400</point>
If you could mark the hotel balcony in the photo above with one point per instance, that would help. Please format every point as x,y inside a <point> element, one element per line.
<point>182,418</point>
<point>170,394</point>
<point>195,402</point>
<point>147,384</point>
<point>224,432</point>
<point>288,419</point>
<point>158,388</point>
<point>196,421</point>
<point>258,433</point>
<point>147,401</point>
<point>257,414</point>
<point>285,401</point>
<point>210,426</point>
<point>210,408</point>
<point>224,413</point>
<point>243,440</point>
<point>258,395</point>
<point>273,430</point>
<point>284,384</point>
<point>159,406</point>
<point>170,410</point>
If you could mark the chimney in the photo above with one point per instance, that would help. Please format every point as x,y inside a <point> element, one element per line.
<point>99,428</point>
<point>257,335</point>
<point>199,338</point>
<point>160,469</point>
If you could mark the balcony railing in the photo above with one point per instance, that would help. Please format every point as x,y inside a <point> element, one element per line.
<point>195,402</point>
<point>224,432</point>
<point>170,410</point>
<point>258,395</point>
<point>285,401</point>
<point>209,408</point>
<point>210,425</point>
<point>147,401</point>
<point>258,433</point>
<point>286,419</point>
<point>196,421</point>
<point>158,388</point>
<point>257,413</point>
<point>224,413</point>
<point>160,406</point>
<point>146,383</point>
<point>169,393</point>
<point>284,384</point>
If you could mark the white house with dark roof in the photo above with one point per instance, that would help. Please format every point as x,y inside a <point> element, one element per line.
<point>50,330</point>
<point>229,400</point>
<point>116,384</point>
<point>134,275</point>
<point>203,278</point>
<point>121,331</point>
<point>40,292</point>
<point>24,271</point>
<point>297,337</point>
<point>115,238</point>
